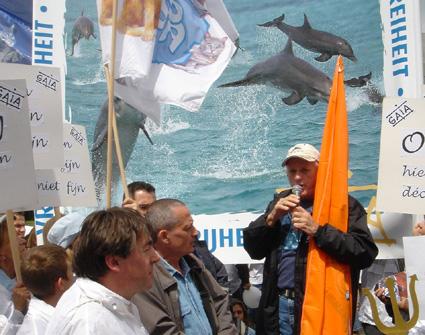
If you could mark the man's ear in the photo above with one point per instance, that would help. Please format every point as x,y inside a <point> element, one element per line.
<point>162,236</point>
<point>112,263</point>
<point>60,285</point>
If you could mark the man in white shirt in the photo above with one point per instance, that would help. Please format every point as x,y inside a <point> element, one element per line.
<point>47,273</point>
<point>113,259</point>
<point>14,296</point>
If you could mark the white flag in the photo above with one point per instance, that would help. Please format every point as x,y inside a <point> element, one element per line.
<point>189,49</point>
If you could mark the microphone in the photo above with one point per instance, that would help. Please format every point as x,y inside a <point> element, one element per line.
<point>297,189</point>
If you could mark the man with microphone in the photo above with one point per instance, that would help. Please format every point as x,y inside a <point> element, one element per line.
<point>281,236</point>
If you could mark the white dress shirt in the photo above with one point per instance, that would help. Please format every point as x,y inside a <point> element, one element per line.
<point>37,318</point>
<point>90,308</point>
<point>10,318</point>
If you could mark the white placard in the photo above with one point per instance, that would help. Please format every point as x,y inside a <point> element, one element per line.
<point>224,235</point>
<point>401,179</point>
<point>17,176</point>
<point>72,184</point>
<point>45,110</point>
<point>414,249</point>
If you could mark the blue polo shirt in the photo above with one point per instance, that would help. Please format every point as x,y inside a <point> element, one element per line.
<point>195,320</point>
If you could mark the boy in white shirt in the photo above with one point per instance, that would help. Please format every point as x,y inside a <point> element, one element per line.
<point>47,273</point>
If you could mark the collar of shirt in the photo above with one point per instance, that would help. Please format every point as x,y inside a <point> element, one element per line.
<point>6,282</point>
<point>107,298</point>
<point>172,271</point>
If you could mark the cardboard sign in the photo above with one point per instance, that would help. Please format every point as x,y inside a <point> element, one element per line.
<point>17,176</point>
<point>414,249</point>
<point>224,235</point>
<point>72,184</point>
<point>45,110</point>
<point>401,179</point>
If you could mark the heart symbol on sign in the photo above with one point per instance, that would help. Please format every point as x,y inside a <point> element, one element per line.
<point>413,142</point>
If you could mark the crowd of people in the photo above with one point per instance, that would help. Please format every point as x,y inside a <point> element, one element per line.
<point>141,269</point>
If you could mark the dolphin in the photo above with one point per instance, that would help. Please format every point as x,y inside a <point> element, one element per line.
<point>314,40</point>
<point>83,27</point>
<point>129,122</point>
<point>360,81</point>
<point>291,74</point>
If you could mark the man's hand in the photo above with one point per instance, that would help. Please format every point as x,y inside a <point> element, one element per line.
<point>21,297</point>
<point>302,220</point>
<point>282,207</point>
<point>130,203</point>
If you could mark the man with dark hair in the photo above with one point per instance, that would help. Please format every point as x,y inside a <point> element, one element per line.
<point>47,273</point>
<point>19,223</point>
<point>142,195</point>
<point>14,296</point>
<point>113,259</point>
<point>185,298</point>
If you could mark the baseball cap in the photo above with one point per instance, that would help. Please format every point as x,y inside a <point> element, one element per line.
<point>304,151</point>
<point>65,230</point>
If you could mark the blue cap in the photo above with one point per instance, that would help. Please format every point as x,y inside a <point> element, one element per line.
<point>66,229</point>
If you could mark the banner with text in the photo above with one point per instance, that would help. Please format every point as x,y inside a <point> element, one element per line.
<point>45,106</point>
<point>224,235</point>
<point>402,39</point>
<point>17,176</point>
<point>72,184</point>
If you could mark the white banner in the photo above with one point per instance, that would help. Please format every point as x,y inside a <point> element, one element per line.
<point>72,184</point>
<point>401,178</point>
<point>17,177</point>
<point>45,106</point>
<point>224,235</point>
<point>41,216</point>
<point>402,39</point>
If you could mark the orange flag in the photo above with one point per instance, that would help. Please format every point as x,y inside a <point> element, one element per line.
<point>327,301</point>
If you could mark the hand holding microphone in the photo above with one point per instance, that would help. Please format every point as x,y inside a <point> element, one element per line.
<point>301,219</point>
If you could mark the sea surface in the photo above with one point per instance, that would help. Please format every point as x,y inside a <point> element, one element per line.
<point>227,157</point>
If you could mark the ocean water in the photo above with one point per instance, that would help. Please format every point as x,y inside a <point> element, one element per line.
<point>227,157</point>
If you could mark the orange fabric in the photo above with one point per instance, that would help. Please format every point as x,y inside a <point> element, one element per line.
<point>326,309</point>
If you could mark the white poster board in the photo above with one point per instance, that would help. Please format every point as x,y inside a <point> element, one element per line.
<point>72,184</point>
<point>224,235</point>
<point>45,110</point>
<point>414,251</point>
<point>17,176</point>
<point>401,178</point>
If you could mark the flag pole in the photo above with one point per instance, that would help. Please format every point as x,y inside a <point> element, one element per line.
<point>117,142</point>
<point>110,86</point>
<point>14,245</point>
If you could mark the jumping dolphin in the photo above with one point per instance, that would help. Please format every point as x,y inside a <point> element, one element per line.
<point>291,74</point>
<point>129,122</point>
<point>83,27</point>
<point>314,40</point>
<point>360,81</point>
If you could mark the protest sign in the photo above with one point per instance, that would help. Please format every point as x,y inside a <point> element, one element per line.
<point>414,249</point>
<point>45,110</point>
<point>17,176</point>
<point>401,179</point>
<point>72,184</point>
<point>224,235</point>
